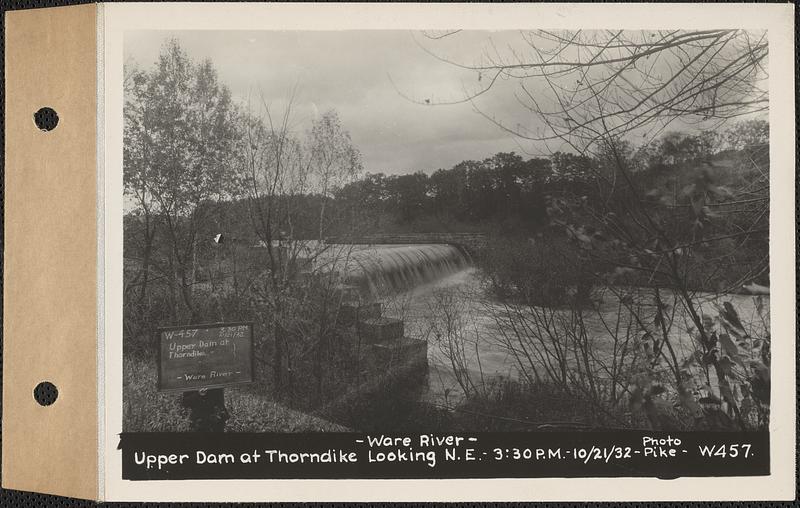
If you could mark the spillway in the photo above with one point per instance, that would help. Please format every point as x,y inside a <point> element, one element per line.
<point>379,269</point>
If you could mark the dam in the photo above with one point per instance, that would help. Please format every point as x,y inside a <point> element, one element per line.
<point>406,305</point>
<point>379,270</point>
<point>471,338</point>
<point>469,243</point>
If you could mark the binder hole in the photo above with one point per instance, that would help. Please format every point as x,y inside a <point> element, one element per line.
<point>45,393</point>
<point>46,119</point>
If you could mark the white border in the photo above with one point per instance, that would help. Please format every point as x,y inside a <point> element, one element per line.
<point>777,18</point>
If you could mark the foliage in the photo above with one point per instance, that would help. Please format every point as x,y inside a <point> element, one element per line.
<point>228,208</point>
<point>216,194</point>
<point>504,187</point>
<point>179,132</point>
<point>664,213</point>
<point>542,270</point>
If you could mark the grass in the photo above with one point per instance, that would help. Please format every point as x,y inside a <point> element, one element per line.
<point>515,406</point>
<point>147,410</point>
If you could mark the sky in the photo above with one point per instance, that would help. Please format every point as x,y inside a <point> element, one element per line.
<point>368,77</point>
<point>387,86</point>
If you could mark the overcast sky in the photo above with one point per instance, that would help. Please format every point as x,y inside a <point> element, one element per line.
<point>359,73</point>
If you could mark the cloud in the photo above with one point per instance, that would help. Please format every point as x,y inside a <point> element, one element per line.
<point>359,73</point>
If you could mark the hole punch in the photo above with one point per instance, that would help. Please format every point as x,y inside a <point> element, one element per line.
<point>45,393</point>
<point>46,119</point>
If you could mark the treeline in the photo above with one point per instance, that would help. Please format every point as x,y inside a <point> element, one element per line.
<point>504,187</point>
<point>509,193</point>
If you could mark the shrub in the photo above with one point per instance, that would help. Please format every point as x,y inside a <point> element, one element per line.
<point>543,270</point>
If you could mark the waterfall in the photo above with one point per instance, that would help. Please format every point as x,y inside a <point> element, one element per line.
<point>379,269</point>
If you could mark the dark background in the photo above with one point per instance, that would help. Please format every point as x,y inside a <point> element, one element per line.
<point>17,499</point>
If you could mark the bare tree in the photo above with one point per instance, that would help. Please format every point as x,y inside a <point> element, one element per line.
<point>602,94</point>
<point>590,86</point>
<point>278,172</point>
<point>334,159</point>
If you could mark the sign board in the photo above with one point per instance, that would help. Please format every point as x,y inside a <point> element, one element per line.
<point>205,356</point>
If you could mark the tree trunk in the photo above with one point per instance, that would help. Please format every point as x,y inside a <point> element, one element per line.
<point>277,374</point>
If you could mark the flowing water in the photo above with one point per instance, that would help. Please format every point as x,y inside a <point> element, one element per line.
<point>380,270</point>
<point>441,299</point>
<point>490,348</point>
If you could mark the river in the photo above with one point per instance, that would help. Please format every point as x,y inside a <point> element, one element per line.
<point>474,340</point>
<point>482,342</point>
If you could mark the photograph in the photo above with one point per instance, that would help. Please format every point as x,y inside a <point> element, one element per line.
<point>446,231</point>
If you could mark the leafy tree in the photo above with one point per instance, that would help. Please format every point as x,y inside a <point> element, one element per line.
<point>180,129</point>
<point>410,195</point>
<point>142,224</point>
<point>571,168</point>
<point>448,191</point>
<point>748,134</point>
